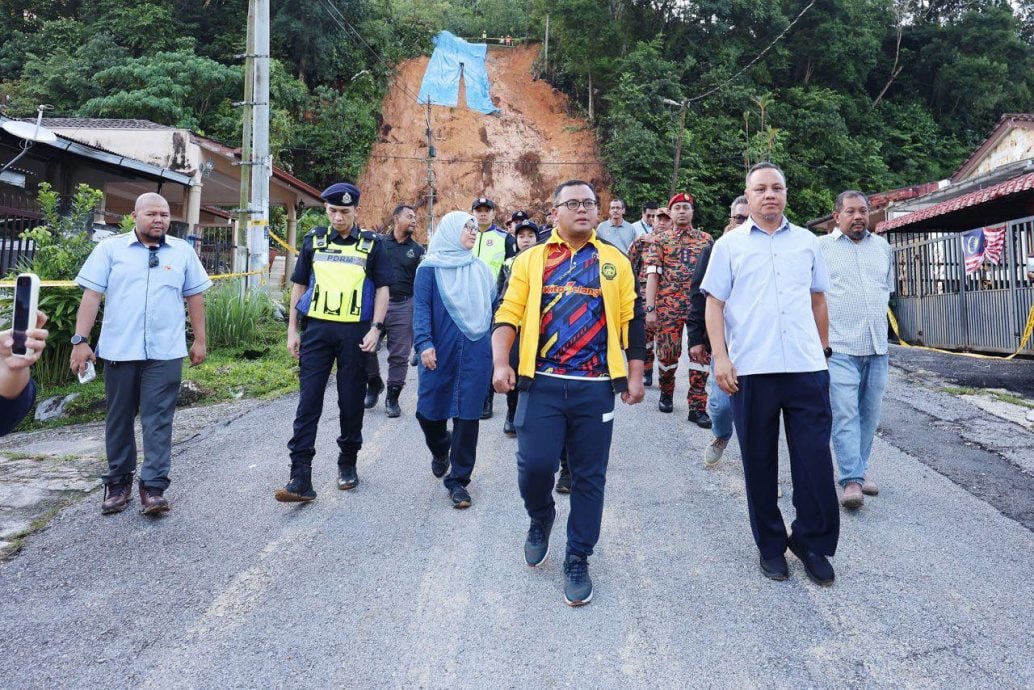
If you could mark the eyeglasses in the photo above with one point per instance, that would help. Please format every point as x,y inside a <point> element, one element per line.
<point>740,219</point>
<point>152,258</point>
<point>573,204</point>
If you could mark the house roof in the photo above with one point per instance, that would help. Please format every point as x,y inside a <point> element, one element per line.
<point>1001,190</point>
<point>1006,123</point>
<point>98,123</point>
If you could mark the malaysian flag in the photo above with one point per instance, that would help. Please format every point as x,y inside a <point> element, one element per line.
<point>994,243</point>
<point>973,249</point>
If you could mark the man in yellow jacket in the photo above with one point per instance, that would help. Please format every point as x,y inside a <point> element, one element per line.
<point>574,297</point>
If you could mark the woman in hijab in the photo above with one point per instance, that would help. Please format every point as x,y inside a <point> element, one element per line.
<point>452,319</point>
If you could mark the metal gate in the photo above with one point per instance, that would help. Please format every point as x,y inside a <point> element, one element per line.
<point>938,305</point>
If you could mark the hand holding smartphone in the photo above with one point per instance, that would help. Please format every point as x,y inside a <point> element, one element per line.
<point>26,302</point>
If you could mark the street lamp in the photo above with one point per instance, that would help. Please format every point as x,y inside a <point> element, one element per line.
<point>678,140</point>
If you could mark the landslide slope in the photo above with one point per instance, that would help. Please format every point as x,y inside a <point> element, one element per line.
<point>516,157</point>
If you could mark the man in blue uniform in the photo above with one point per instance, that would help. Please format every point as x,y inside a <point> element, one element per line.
<point>340,299</point>
<point>494,246</point>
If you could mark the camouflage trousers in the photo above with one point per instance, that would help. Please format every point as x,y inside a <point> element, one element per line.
<point>651,335</point>
<point>668,350</point>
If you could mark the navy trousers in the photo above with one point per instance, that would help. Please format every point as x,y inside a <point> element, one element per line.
<point>461,446</point>
<point>803,401</point>
<point>323,344</point>
<point>553,413</point>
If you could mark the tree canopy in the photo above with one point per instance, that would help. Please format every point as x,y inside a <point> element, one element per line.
<point>874,94</point>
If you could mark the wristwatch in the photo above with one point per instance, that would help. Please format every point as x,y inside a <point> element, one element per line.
<point>79,339</point>
<point>378,325</point>
<point>828,352</point>
<point>651,309</point>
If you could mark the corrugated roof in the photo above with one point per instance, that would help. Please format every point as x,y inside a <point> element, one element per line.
<point>981,196</point>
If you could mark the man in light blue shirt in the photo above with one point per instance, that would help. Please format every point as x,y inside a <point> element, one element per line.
<point>861,269</point>
<point>767,322</point>
<point>143,277</point>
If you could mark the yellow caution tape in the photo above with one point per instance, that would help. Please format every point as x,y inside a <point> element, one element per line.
<point>43,283</point>
<point>1028,329</point>
<point>283,244</point>
<point>1026,335</point>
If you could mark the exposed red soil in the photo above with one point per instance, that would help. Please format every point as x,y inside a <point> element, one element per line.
<point>515,157</point>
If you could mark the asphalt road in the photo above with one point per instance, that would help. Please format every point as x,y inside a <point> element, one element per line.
<point>388,586</point>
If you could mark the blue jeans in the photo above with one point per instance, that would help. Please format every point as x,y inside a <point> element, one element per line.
<point>719,408</point>
<point>856,385</point>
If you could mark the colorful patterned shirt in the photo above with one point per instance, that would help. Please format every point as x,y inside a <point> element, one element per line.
<point>573,332</point>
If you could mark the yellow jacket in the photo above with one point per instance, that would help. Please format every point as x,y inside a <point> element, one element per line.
<point>521,305</point>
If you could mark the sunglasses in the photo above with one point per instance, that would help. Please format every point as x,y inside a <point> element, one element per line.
<point>152,258</point>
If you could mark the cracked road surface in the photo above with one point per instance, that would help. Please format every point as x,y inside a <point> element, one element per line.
<point>388,586</point>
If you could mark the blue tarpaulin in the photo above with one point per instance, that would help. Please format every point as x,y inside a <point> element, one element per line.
<point>441,83</point>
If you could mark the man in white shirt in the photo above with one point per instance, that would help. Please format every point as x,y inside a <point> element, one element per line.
<point>767,322</point>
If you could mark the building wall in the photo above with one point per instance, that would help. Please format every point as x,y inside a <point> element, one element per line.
<point>1017,145</point>
<point>167,148</point>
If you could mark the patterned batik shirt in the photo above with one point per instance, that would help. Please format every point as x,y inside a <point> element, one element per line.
<point>573,333</point>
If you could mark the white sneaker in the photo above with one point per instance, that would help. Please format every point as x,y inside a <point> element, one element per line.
<point>714,450</point>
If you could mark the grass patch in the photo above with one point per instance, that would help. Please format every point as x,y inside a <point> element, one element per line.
<point>997,395</point>
<point>17,541</point>
<point>260,367</point>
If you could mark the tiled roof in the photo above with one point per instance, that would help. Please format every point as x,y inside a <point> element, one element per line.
<point>97,123</point>
<point>981,196</point>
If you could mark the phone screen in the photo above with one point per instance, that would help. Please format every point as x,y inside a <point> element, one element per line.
<point>22,302</point>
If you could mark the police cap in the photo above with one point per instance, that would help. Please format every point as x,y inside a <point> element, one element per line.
<point>482,201</point>
<point>341,194</point>
<point>526,225</point>
<point>519,216</point>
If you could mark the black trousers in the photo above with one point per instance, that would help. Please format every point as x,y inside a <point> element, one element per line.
<point>802,399</point>
<point>461,446</point>
<point>323,344</point>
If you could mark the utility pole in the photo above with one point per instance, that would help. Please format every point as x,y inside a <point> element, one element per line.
<point>240,256</point>
<point>258,225</point>
<point>430,174</point>
<point>545,59</point>
<point>678,141</point>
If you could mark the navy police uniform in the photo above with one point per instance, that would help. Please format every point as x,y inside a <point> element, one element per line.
<point>342,274</point>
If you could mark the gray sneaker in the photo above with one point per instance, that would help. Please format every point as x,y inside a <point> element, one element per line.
<point>714,450</point>
<point>577,583</point>
<point>536,546</point>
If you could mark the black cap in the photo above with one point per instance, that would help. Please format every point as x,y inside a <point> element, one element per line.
<point>482,201</point>
<point>341,194</point>
<point>518,216</point>
<point>526,225</point>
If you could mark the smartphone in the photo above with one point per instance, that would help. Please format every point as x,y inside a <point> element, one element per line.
<point>26,300</point>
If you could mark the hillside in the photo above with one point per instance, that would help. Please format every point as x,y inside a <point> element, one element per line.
<point>511,157</point>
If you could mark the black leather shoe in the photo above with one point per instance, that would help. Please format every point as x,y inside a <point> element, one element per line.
<point>700,419</point>
<point>648,379</point>
<point>665,404</point>
<point>486,411</point>
<point>391,402</point>
<point>815,565</point>
<point>373,391</point>
<point>563,483</point>
<point>439,466</point>
<point>414,359</point>
<point>774,568</point>
<point>347,477</point>
<point>508,428</point>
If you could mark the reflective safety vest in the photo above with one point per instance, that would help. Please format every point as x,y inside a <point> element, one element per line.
<point>491,248</point>
<point>339,271</point>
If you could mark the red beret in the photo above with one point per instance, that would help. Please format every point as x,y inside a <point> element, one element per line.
<point>681,196</point>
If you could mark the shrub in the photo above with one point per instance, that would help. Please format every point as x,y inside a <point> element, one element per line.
<point>232,319</point>
<point>62,245</point>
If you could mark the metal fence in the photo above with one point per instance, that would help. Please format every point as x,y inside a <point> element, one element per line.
<point>17,214</point>
<point>217,247</point>
<point>939,305</point>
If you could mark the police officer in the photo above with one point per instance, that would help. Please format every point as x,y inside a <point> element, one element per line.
<point>493,246</point>
<point>340,298</point>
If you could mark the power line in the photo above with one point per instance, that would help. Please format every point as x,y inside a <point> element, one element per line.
<point>344,25</point>
<point>756,57</point>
